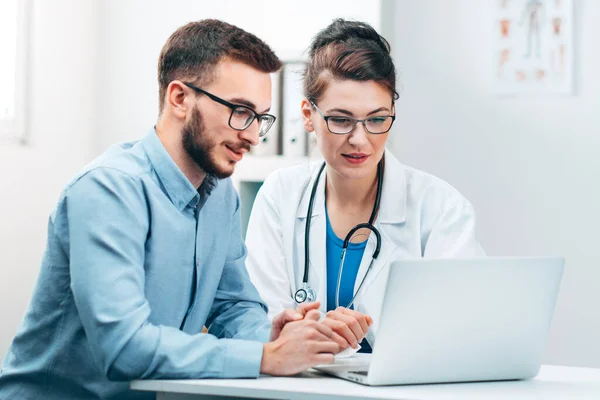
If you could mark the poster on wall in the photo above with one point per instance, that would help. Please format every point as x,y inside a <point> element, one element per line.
<point>533,46</point>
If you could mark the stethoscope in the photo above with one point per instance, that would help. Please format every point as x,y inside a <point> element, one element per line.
<point>306,293</point>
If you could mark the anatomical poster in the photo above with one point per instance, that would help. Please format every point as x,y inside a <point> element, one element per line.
<point>532,46</point>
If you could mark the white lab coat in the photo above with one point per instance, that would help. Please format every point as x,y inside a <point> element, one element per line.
<point>420,216</point>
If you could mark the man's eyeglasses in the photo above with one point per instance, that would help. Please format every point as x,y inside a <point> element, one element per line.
<point>241,116</point>
<point>342,125</point>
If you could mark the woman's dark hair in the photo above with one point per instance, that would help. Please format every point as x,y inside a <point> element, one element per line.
<point>348,50</point>
<point>194,50</point>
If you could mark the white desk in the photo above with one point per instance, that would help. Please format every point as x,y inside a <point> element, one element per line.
<point>551,383</point>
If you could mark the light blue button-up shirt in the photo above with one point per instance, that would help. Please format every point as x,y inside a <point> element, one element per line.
<point>137,261</point>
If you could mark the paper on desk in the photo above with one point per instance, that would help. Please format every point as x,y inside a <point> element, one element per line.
<point>347,353</point>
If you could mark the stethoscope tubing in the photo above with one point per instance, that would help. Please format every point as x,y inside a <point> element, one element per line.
<point>305,292</point>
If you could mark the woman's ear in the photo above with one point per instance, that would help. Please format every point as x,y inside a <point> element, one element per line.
<point>306,109</point>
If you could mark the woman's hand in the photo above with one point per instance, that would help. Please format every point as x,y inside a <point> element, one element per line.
<point>349,327</point>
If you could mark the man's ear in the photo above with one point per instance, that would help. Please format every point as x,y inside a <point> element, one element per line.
<point>306,109</point>
<point>178,98</point>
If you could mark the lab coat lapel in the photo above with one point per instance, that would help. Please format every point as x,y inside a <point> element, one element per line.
<point>318,258</point>
<point>392,211</point>
<point>387,248</point>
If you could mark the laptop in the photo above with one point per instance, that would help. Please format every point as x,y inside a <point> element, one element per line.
<point>459,320</point>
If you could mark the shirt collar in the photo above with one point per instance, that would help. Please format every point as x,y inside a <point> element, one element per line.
<point>176,185</point>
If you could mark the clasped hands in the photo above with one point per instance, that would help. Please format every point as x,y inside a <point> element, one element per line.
<point>300,339</point>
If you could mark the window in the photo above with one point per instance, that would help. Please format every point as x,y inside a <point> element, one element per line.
<point>13,68</point>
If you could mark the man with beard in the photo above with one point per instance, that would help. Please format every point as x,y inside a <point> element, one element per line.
<point>144,246</point>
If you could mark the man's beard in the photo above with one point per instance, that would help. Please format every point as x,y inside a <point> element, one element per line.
<point>200,147</point>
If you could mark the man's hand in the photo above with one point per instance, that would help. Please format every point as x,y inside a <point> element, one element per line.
<point>349,327</point>
<point>289,315</point>
<point>300,345</point>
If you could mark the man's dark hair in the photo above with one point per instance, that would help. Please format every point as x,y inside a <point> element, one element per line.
<point>194,50</point>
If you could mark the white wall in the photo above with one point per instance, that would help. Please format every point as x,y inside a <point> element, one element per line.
<point>530,165</point>
<point>134,31</point>
<point>61,125</point>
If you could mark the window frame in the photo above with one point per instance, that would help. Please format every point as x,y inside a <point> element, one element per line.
<point>15,129</point>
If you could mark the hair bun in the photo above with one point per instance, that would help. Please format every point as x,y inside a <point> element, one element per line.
<point>348,50</point>
<point>341,30</point>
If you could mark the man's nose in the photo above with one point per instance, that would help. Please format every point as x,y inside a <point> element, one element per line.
<point>251,133</point>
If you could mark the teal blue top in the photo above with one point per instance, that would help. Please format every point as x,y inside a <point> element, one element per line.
<point>354,255</point>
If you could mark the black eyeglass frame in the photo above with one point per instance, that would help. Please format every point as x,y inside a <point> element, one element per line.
<point>356,121</point>
<point>233,107</point>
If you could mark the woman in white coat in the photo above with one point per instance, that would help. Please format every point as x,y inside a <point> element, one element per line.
<point>350,91</point>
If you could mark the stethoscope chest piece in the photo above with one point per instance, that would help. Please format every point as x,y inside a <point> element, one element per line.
<point>305,293</point>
